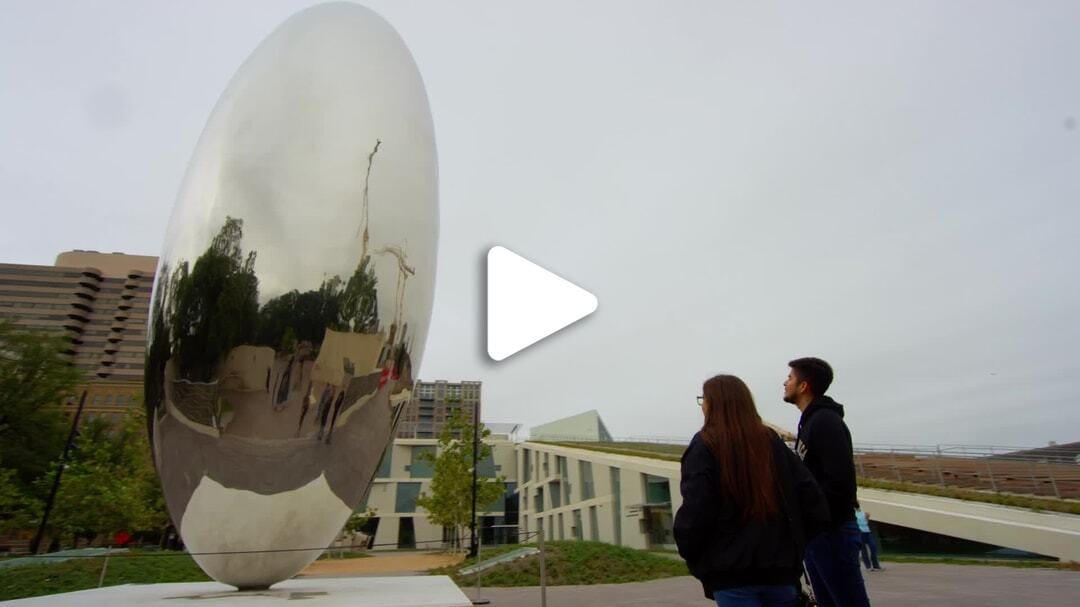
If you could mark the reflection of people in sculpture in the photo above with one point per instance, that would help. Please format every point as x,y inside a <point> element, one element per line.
<point>284,385</point>
<point>324,408</point>
<point>337,407</point>
<point>350,369</point>
<point>309,398</point>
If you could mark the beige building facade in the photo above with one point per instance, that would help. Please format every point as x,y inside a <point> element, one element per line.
<point>403,476</point>
<point>581,494</point>
<point>99,304</point>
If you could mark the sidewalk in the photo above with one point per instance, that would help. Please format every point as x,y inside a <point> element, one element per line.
<point>901,585</point>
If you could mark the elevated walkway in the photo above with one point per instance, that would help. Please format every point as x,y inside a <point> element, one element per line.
<point>1049,533</point>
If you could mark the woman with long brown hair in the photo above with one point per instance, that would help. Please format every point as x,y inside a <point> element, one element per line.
<point>749,504</point>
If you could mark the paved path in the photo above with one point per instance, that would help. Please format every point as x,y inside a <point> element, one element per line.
<point>901,585</point>
<point>410,563</point>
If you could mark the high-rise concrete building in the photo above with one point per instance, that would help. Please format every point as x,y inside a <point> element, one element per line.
<point>99,303</point>
<point>432,404</point>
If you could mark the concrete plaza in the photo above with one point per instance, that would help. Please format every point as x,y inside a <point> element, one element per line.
<point>900,585</point>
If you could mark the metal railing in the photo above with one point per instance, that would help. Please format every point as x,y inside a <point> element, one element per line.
<point>1052,471</point>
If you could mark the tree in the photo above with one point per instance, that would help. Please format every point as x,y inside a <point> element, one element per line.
<point>18,509</point>
<point>34,379</point>
<point>110,484</point>
<point>450,502</point>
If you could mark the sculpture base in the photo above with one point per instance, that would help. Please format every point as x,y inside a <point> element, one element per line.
<point>406,591</point>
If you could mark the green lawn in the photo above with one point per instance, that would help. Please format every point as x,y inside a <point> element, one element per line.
<point>83,573</point>
<point>573,563</point>
<point>950,560</point>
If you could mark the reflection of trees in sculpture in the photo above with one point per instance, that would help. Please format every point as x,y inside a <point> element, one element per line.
<point>216,304</point>
<point>359,302</point>
<point>158,347</point>
<point>203,310</point>
<point>301,317</point>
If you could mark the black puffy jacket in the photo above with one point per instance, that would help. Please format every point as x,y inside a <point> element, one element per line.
<point>722,550</point>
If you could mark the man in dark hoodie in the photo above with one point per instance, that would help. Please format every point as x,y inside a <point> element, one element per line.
<point>824,444</point>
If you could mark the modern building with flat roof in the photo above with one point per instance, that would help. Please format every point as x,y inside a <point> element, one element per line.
<point>585,426</point>
<point>99,304</point>
<point>562,491</point>
<point>403,475</point>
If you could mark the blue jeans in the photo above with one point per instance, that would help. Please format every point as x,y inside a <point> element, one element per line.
<point>832,562</point>
<point>869,545</point>
<point>756,596</point>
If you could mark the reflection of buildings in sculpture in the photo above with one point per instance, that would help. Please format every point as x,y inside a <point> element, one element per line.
<point>261,394</point>
<point>433,402</point>
<point>361,350</point>
<point>98,302</point>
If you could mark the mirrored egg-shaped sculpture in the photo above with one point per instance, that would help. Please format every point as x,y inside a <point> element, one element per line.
<point>293,294</point>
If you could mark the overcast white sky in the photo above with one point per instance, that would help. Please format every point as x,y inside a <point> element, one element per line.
<point>894,188</point>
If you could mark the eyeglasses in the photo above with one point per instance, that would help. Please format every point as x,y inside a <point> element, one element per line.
<point>701,401</point>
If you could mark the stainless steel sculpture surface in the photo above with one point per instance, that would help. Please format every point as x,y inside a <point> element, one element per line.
<point>293,294</point>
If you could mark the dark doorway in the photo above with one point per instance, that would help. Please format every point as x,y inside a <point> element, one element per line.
<point>406,535</point>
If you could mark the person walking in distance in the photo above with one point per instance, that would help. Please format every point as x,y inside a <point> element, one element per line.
<point>749,505</point>
<point>824,444</point>
<point>868,550</point>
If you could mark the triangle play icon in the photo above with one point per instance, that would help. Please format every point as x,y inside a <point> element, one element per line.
<point>526,303</point>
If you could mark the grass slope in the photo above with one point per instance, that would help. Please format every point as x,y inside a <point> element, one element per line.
<point>574,563</point>
<point>83,573</point>
<point>950,560</point>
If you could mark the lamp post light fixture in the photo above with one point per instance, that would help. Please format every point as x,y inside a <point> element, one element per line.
<point>473,546</point>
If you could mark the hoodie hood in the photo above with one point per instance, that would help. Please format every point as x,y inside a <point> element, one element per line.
<point>818,404</point>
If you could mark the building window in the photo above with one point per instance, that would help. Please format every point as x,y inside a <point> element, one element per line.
<point>594,525</point>
<point>421,467</point>
<point>556,494</point>
<point>526,470</point>
<point>538,499</point>
<point>406,497</point>
<point>657,489</point>
<point>562,470</point>
<point>486,466</point>
<point>585,470</point>
<point>578,532</point>
<point>384,464</point>
<point>616,495</point>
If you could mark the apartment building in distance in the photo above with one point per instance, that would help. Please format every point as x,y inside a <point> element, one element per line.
<point>432,404</point>
<point>99,303</point>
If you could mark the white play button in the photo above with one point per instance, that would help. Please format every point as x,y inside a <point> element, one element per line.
<point>526,303</point>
